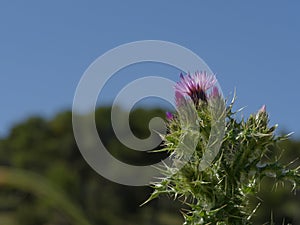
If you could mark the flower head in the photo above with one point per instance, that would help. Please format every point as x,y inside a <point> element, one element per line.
<point>195,85</point>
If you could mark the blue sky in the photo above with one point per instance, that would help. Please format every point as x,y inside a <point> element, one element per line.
<point>45,47</point>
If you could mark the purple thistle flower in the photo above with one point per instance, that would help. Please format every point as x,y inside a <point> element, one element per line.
<point>195,85</point>
<point>169,116</point>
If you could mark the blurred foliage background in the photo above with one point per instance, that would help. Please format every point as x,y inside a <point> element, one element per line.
<point>44,180</point>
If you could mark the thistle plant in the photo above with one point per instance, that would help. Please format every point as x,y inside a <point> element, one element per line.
<point>217,161</point>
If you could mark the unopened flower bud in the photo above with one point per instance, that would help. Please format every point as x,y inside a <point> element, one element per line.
<point>262,109</point>
<point>169,115</point>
